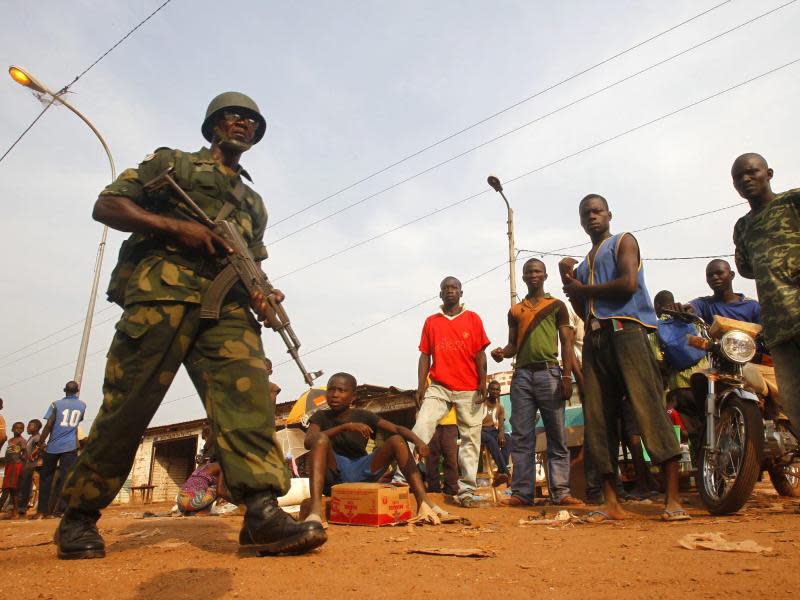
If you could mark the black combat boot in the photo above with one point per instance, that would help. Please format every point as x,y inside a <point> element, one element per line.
<point>269,530</point>
<point>77,535</point>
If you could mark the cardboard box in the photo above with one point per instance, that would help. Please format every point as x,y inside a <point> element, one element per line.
<point>374,504</point>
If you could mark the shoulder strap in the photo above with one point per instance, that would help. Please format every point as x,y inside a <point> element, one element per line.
<point>183,168</point>
<point>237,193</point>
<point>540,316</point>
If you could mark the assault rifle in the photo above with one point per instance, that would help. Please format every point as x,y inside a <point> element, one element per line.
<point>239,266</point>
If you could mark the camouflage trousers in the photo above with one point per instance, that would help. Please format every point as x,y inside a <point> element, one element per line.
<point>225,360</point>
<point>787,370</point>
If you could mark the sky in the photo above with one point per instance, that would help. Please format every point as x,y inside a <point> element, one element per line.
<point>349,89</point>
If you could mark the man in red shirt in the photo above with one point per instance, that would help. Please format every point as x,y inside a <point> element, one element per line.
<point>454,341</point>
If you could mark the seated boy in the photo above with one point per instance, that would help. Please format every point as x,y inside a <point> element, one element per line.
<point>337,440</point>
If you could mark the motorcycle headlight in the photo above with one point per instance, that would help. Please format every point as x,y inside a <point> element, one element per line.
<point>738,346</point>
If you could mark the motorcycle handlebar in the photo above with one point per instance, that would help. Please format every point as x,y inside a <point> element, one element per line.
<point>684,316</point>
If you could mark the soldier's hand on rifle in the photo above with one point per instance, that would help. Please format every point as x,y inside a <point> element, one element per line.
<point>260,305</point>
<point>198,237</point>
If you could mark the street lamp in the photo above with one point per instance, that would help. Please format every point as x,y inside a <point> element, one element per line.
<point>512,276</point>
<point>22,77</point>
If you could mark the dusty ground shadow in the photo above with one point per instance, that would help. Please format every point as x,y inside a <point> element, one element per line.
<point>209,584</point>
<point>210,534</point>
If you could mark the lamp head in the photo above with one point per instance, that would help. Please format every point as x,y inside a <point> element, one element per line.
<point>22,77</point>
<point>495,183</point>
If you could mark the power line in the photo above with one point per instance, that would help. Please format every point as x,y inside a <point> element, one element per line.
<point>529,123</point>
<point>498,113</point>
<point>49,335</point>
<point>638,127</point>
<point>27,129</point>
<point>77,77</point>
<point>483,274</point>
<point>663,258</point>
<point>50,370</point>
<point>494,268</point>
<point>543,167</point>
<point>64,339</point>
<point>122,39</point>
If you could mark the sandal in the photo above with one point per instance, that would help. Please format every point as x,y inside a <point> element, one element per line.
<point>674,515</point>
<point>597,516</point>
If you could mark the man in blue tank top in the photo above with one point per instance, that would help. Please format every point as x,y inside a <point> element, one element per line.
<point>608,291</point>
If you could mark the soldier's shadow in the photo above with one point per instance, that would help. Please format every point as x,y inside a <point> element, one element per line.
<point>210,534</point>
<point>209,583</point>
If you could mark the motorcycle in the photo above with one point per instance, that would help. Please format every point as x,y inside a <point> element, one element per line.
<point>743,435</point>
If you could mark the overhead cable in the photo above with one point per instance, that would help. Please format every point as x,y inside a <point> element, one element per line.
<point>51,334</point>
<point>65,89</point>
<point>500,112</point>
<point>528,124</point>
<point>548,164</point>
<point>479,276</point>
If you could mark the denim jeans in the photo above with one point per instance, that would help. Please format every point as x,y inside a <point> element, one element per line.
<point>489,439</point>
<point>620,365</point>
<point>533,391</point>
<point>469,415</point>
<point>50,462</point>
<point>787,371</point>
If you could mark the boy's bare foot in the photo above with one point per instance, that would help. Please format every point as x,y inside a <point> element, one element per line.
<point>427,514</point>
<point>317,519</point>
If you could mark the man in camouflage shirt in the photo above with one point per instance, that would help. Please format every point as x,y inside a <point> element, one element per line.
<point>767,243</point>
<point>165,268</point>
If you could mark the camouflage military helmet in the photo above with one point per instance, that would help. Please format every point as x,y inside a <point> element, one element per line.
<point>233,101</point>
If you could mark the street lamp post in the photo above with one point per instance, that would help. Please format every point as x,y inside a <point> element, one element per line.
<point>26,79</point>
<point>512,276</point>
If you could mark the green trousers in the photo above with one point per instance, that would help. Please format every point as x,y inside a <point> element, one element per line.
<point>225,360</point>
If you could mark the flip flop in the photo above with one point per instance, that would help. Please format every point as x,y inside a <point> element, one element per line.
<point>597,516</point>
<point>677,514</point>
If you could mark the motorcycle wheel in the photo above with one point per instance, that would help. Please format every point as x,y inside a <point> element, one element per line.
<point>786,479</point>
<point>728,476</point>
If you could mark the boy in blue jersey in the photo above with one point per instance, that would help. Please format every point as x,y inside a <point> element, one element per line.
<point>61,450</point>
<point>608,291</point>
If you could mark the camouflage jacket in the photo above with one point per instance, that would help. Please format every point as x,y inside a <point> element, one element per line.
<point>768,250</point>
<point>151,268</point>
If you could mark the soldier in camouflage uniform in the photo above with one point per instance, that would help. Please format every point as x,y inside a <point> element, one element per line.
<point>767,243</point>
<point>165,268</point>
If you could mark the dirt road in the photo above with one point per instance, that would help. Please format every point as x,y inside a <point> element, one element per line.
<point>175,557</point>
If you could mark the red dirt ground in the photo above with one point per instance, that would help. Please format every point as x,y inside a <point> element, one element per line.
<point>175,557</point>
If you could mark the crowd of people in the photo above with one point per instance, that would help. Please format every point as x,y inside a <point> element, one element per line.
<point>35,468</point>
<point>170,262</point>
